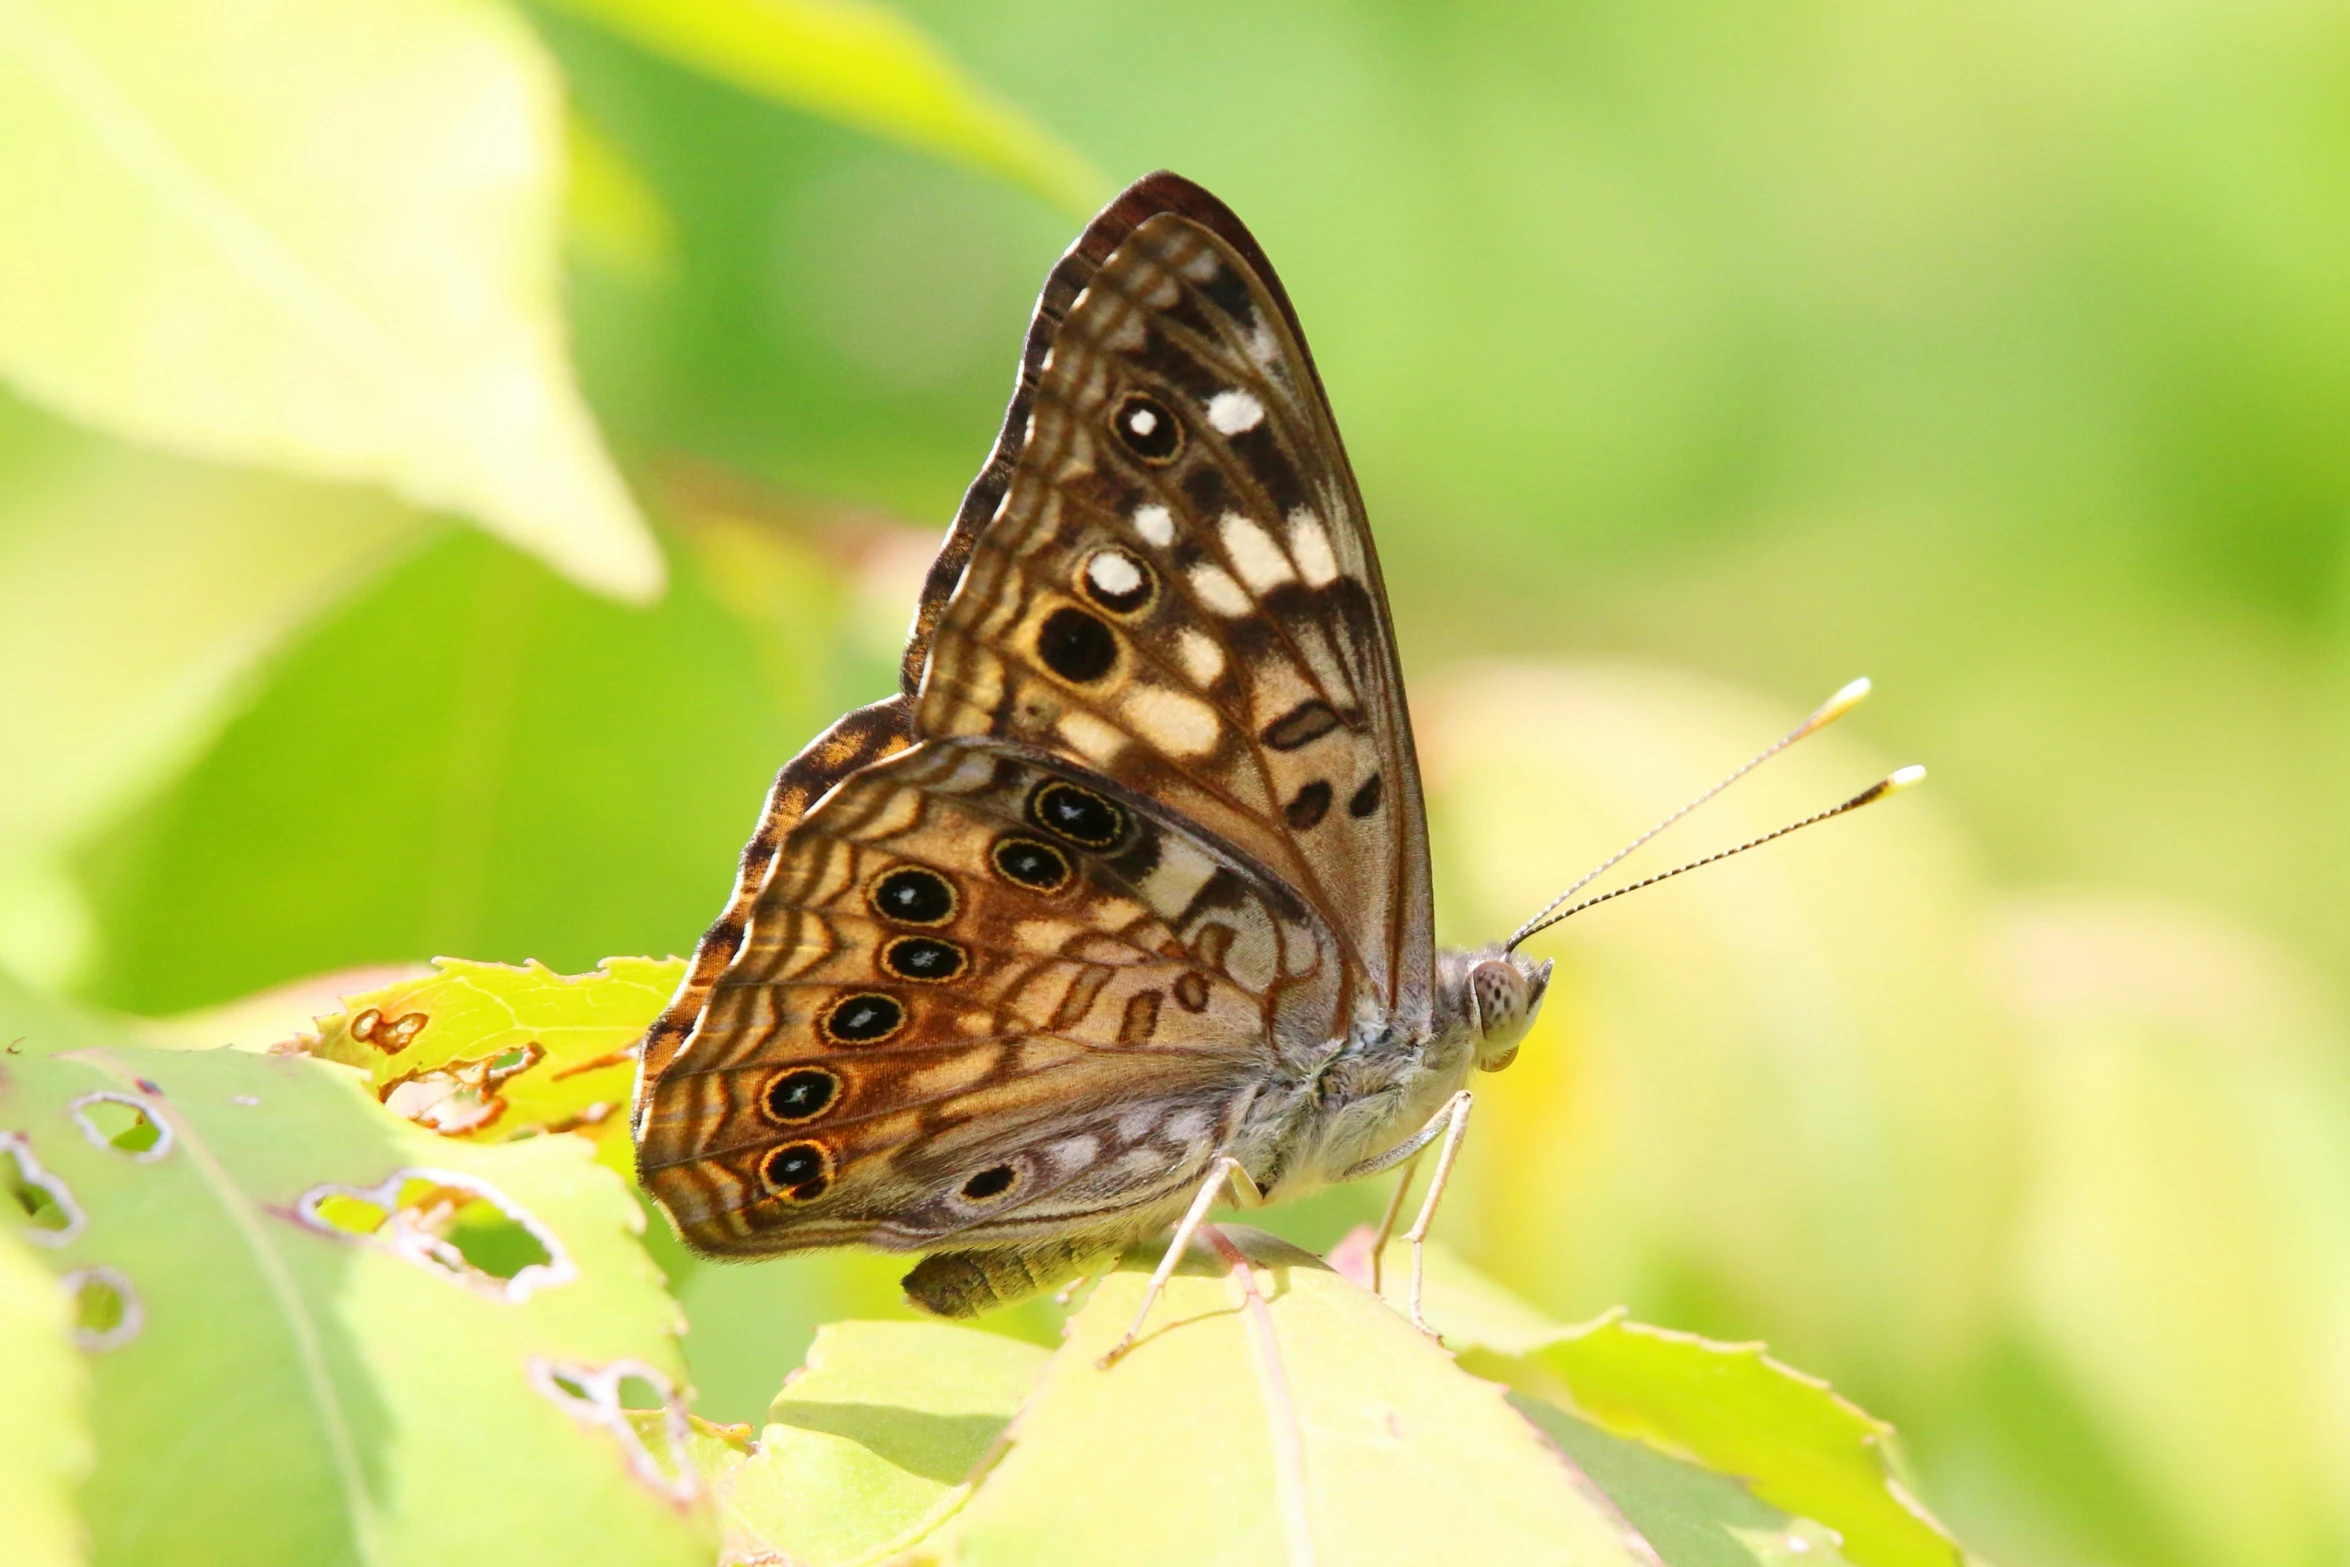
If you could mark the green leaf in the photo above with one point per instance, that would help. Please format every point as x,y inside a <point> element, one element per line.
<point>864,65</point>
<point>616,217</point>
<point>874,1442</point>
<point>1735,1410</point>
<point>489,1052</point>
<point>145,590</point>
<point>1273,1412</point>
<point>44,1424</point>
<point>319,238</point>
<point>319,1334</point>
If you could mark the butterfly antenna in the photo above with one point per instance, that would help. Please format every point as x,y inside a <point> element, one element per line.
<point>1871,795</point>
<point>1844,701</point>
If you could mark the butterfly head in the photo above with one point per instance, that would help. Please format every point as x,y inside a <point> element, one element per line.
<point>1503,990</point>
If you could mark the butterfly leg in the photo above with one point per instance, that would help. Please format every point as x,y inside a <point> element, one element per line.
<point>1403,1187</point>
<point>1226,1170</point>
<point>1456,1116</point>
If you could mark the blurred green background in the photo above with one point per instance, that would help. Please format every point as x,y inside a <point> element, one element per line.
<point>1694,359</point>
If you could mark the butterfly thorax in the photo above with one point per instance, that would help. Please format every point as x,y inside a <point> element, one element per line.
<point>1388,1078</point>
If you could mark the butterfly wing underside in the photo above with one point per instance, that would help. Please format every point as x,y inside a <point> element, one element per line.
<point>1159,596</point>
<point>982,998</point>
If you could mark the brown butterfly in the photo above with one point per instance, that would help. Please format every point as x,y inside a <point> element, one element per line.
<point>1124,901</point>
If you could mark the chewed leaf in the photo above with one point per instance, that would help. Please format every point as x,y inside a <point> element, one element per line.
<point>1733,1409</point>
<point>40,1205</point>
<point>638,1407</point>
<point>489,1052</point>
<point>864,65</point>
<point>319,238</point>
<point>354,1305</point>
<point>872,1443</point>
<point>460,1228</point>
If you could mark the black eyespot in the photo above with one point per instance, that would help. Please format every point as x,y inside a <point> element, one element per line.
<point>1364,800</point>
<point>990,1183</point>
<point>799,1172</point>
<point>801,1094</point>
<point>1118,581</point>
<point>1079,815</point>
<point>914,895</point>
<point>863,1019</point>
<point>1076,646</point>
<point>1032,864</point>
<point>1148,429</point>
<point>922,957</point>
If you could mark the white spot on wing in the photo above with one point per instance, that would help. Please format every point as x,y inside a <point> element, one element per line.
<point>1075,1153</point>
<point>1156,524</point>
<point>1219,592</point>
<point>1181,872</point>
<point>1235,411</point>
<point>1202,659</point>
<point>1311,546</point>
<point>1261,346</point>
<point>1185,1126</point>
<point>1092,739</point>
<point>1114,573</point>
<point>1259,560</point>
<point>1182,725</point>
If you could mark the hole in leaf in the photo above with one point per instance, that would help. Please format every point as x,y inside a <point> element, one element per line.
<point>638,1407</point>
<point>465,1230</point>
<point>461,1096</point>
<point>40,1204</point>
<point>119,1122</point>
<point>106,1310</point>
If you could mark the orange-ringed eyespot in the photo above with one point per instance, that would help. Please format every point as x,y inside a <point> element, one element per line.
<point>798,1172</point>
<point>922,957</point>
<point>801,1094</point>
<point>1036,865</point>
<point>1079,815</point>
<point>913,895</point>
<point>863,1019</point>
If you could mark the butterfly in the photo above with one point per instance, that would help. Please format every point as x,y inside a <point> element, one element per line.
<point>1122,903</point>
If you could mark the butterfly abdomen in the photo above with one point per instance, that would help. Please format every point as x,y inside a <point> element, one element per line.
<point>961,1284</point>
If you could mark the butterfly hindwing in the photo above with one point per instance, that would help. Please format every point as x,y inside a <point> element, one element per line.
<point>1174,582</point>
<point>981,995</point>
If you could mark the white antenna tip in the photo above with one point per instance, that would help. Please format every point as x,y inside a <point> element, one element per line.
<point>1837,706</point>
<point>1905,777</point>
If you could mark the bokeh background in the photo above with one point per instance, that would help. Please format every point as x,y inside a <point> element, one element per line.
<point>452,453</point>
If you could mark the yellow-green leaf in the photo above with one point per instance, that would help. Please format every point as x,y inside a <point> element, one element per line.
<point>1273,1413</point>
<point>322,238</point>
<point>1733,1409</point>
<point>490,1052</point>
<point>875,1441</point>
<point>864,65</point>
<point>44,1418</point>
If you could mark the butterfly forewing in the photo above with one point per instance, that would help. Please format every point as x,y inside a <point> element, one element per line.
<point>980,995</point>
<point>1178,588</point>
